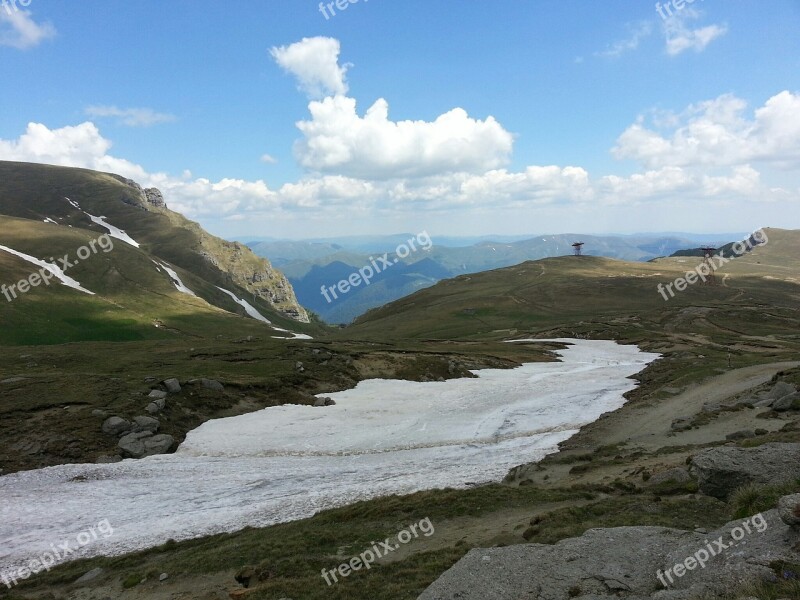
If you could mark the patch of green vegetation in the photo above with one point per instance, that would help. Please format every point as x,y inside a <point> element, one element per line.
<point>131,581</point>
<point>640,509</point>
<point>752,499</point>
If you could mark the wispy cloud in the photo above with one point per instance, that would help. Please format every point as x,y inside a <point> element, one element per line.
<point>629,44</point>
<point>132,117</point>
<point>681,37</point>
<point>268,159</point>
<point>19,30</point>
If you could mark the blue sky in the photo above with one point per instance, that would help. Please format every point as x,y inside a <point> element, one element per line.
<point>484,117</point>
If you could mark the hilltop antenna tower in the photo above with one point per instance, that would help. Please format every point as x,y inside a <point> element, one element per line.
<point>708,254</point>
<point>578,248</point>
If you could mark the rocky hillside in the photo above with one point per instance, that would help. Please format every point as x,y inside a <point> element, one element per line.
<point>165,272</point>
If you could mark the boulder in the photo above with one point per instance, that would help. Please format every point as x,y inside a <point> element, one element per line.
<point>116,426</point>
<point>324,401</point>
<point>637,563</point>
<point>158,444</point>
<point>720,471</point>
<point>789,510</point>
<point>157,395</point>
<point>153,408</point>
<point>146,424</point>
<point>787,402</point>
<point>132,445</point>
<point>780,390</point>
<point>173,385</point>
<point>210,384</point>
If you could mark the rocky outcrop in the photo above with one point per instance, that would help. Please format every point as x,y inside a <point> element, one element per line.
<point>154,197</point>
<point>223,263</point>
<point>720,471</point>
<point>636,563</point>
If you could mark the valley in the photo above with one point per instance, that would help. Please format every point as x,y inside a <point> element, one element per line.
<point>285,500</point>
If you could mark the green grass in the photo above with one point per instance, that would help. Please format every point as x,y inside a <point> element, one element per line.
<point>753,498</point>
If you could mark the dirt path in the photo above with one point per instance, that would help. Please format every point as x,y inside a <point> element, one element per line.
<point>648,424</point>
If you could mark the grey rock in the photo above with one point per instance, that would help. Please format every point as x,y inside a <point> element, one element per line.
<point>99,413</point>
<point>789,510</point>
<point>146,424</point>
<point>158,444</point>
<point>780,390</point>
<point>623,562</point>
<point>154,197</point>
<point>720,471</point>
<point>163,577</point>
<point>89,576</point>
<point>153,408</point>
<point>600,564</point>
<point>324,401</point>
<point>157,395</point>
<point>678,475</point>
<point>173,385</point>
<point>212,384</point>
<point>786,403</point>
<point>711,407</point>
<point>132,445</point>
<point>116,426</point>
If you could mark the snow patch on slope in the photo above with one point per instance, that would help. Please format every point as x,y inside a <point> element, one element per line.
<point>248,308</point>
<point>114,232</point>
<point>176,280</point>
<point>54,269</point>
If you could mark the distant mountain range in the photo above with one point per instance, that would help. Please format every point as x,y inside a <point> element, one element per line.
<point>312,264</point>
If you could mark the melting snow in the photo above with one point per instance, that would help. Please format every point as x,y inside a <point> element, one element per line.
<point>54,269</point>
<point>114,232</point>
<point>288,462</point>
<point>176,280</point>
<point>248,308</point>
<point>49,220</point>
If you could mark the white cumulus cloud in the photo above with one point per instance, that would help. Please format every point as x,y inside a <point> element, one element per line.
<point>338,140</point>
<point>719,133</point>
<point>315,64</point>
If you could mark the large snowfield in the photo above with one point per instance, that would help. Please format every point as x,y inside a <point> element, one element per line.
<point>285,463</point>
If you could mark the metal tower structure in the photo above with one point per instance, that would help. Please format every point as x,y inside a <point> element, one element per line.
<point>578,248</point>
<point>708,254</point>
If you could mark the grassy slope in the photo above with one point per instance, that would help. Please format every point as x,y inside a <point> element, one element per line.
<point>31,193</point>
